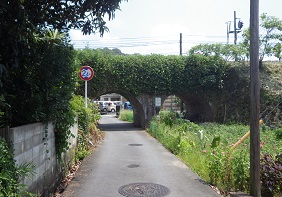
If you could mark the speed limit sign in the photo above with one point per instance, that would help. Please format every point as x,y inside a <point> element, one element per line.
<point>86,73</point>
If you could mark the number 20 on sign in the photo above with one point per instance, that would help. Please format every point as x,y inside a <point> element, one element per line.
<point>86,73</point>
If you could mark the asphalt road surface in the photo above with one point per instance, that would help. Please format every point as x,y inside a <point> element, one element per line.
<point>131,163</point>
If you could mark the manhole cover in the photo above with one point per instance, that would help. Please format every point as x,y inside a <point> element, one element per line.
<point>143,190</point>
<point>133,166</point>
<point>135,144</point>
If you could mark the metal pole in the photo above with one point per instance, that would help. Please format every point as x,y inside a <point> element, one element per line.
<point>85,94</point>
<point>255,188</point>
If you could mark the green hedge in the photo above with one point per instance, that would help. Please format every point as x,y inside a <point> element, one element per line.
<point>153,74</point>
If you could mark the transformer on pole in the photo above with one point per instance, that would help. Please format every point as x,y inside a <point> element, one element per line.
<point>237,28</point>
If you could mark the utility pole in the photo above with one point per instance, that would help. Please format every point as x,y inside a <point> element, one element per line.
<point>235,29</point>
<point>228,23</point>
<point>181,103</point>
<point>180,46</point>
<point>255,188</point>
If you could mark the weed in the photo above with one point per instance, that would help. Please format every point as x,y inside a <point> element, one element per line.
<point>10,174</point>
<point>126,115</point>
<point>206,149</point>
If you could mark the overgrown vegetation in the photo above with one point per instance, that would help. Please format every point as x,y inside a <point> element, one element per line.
<point>206,149</point>
<point>38,75</point>
<point>136,74</point>
<point>88,133</point>
<point>11,174</point>
<point>37,62</point>
<point>126,115</point>
<point>225,85</point>
<point>270,38</point>
<point>271,175</point>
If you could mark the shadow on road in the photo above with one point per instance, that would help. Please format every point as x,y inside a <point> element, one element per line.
<point>118,127</point>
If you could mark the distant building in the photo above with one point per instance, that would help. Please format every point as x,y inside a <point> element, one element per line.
<point>171,104</point>
<point>111,97</point>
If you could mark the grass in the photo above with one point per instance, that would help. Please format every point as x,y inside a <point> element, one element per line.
<point>206,149</point>
<point>126,115</point>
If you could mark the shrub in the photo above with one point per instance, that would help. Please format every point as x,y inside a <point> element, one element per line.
<point>10,174</point>
<point>126,115</point>
<point>206,149</point>
<point>229,170</point>
<point>271,175</point>
<point>86,116</point>
<point>278,133</point>
<point>87,120</point>
<point>168,117</point>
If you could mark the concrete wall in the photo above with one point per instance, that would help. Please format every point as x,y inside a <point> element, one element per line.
<point>35,143</point>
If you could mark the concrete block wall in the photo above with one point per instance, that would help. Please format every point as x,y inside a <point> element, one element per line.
<point>35,143</point>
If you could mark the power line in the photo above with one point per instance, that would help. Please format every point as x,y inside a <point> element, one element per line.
<point>141,40</point>
<point>154,41</point>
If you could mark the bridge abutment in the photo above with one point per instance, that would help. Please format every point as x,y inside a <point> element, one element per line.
<point>148,106</point>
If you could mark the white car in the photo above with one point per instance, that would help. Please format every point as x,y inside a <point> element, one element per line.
<point>106,106</point>
<point>103,105</point>
<point>111,107</point>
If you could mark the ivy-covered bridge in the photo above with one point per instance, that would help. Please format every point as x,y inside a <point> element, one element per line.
<point>197,80</point>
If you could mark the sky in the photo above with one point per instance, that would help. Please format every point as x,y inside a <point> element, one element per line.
<point>154,26</point>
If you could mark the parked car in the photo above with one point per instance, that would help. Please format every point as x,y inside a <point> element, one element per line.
<point>107,106</point>
<point>103,105</point>
<point>111,107</point>
<point>118,103</point>
<point>128,106</point>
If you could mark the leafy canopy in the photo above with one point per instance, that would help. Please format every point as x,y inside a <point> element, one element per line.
<point>226,51</point>
<point>22,20</point>
<point>152,74</point>
<point>270,37</point>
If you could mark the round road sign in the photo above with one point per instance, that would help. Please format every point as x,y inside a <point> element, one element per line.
<point>86,73</point>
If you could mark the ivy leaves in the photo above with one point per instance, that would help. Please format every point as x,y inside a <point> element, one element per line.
<point>153,74</point>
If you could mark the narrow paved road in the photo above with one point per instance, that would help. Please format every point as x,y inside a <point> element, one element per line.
<point>131,163</point>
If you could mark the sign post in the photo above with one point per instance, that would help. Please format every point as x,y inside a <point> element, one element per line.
<point>86,73</point>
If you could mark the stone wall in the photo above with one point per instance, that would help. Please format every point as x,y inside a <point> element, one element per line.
<point>35,143</point>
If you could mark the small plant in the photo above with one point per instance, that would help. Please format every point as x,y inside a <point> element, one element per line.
<point>10,174</point>
<point>271,175</point>
<point>221,170</point>
<point>126,115</point>
<point>217,163</point>
<point>80,155</point>
<point>241,166</point>
<point>203,138</point>
<point>278,133</point>
<point>168,117</point>
<point>88,133</point>
<point>86,116</point>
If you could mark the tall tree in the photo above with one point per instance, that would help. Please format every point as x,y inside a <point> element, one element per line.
<point>270,37</point>
<point>229,52</point>
<point>20,20</point>
<point>33,50</point>
<point>87,15</point>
